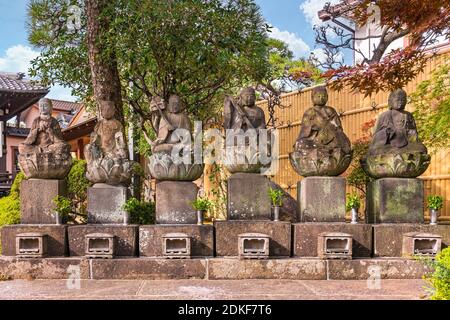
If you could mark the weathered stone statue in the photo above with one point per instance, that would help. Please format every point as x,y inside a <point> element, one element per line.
<point>173,129</point>
<point>322,148</point>
<point>395,150</point>
<point>244,115</point>
<point>107,153</point>
<point>44,154</point>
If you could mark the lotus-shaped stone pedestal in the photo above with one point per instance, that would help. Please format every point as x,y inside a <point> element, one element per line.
<point>164,168</point>
<point>45,165</point>
<point>320,161</point>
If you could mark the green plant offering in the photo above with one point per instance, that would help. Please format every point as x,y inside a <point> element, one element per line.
<point>63,205</point>
<point>202,204</point>
<point>141,212</point>
<point>440,278</point>
<point>353,201</point>
<point>276,197</point>
<point>435,202</point>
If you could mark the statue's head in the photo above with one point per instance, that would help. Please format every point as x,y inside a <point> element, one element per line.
<point>45,107</point>
<point>397,99</point>
<point>319,96</point>
<point>248,97</point>
<point>175,104</point>
<point>107,109</point>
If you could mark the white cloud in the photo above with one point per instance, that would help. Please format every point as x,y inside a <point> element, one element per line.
<point>18,59</point>
<point>295,44</point>
<point>311,8</point>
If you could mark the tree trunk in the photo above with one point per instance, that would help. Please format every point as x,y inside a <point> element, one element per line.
<point>104,71</point>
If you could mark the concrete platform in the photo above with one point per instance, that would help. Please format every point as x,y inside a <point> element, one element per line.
<point>227,232</point>
<point>388,238</point>
<point>211,290</point>
<point>306,235</point>
<point>210,269</point>
<point>151,238</point>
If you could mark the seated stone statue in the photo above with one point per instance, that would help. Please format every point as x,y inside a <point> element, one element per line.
<point>244,115</point>
<point>395,150</point>
<point>171,119</point>
<point>44,154</point>
<point>107,154</point>
<point>167,119</point>
<point>322,148</point>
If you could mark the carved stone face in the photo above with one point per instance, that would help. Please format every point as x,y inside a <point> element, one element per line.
<point>175,104</point>
<point>248,97</point>
<point>320,97</point>
<point>397,100</point>
<point>45,107</point>
<point>107,109</point>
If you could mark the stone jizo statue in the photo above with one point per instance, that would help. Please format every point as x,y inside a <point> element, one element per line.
<point>322,148</point>
<point>243,114</point>
<point>173,127</point>
<point>395,150</point>
<point>107,153</point>
<point>168,120</point>
<point>44,154</point>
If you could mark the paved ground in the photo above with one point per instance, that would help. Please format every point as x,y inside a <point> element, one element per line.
<point>203,289</point>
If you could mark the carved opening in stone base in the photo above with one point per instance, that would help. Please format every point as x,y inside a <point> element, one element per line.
<point>29,245</point>
<point>253,246</point>
<point>335,245</point>
<point>99,245</point>
<point>421,244</point>
<point>176,245</point>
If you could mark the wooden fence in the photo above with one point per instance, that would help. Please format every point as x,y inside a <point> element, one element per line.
<point>355,110</point>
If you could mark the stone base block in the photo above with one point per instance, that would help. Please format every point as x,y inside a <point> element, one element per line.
<point>174,202</point>
<point>56,238</point>
<point>321,199</point>
<point>388,238</point>
<point>227,234</point>
<point>151,239</point>
<point>306,235</point>
<point>149,269</point>
<point>48,268</point>
<point>36,200</point>
<point>373,269</point>
<point>395,200</point>
<point>126,238</point>
<point>105,203</point>
<point>292,269</point>
<point>248,197</point>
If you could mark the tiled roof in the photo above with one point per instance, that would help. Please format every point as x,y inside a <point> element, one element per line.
<point>66,105</point>
<point>16,82</point>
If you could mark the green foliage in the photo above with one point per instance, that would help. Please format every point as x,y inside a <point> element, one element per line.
<point>141,212</point>
<point>77,186</point>
<point>431,102</point>
<point>435,202</point>
<point>356,176</point>
<point>440,278</point>
<point>202,204</point>
<point>276,197</point>
<point>195,48</point>
<point>353,201</point>
<point>63,205</point>
<point>10,205</point>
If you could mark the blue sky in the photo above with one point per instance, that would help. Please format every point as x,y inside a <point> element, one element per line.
<point>292,22</point>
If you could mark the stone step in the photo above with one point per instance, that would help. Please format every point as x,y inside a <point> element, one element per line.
<point>210,269</point>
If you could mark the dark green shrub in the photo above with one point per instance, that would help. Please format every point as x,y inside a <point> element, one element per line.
<point>10,205</point>
<point>440,278</point>
<point>141,212</point>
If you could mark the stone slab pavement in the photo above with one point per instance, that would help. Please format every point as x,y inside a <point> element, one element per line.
<point>211,290</point>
